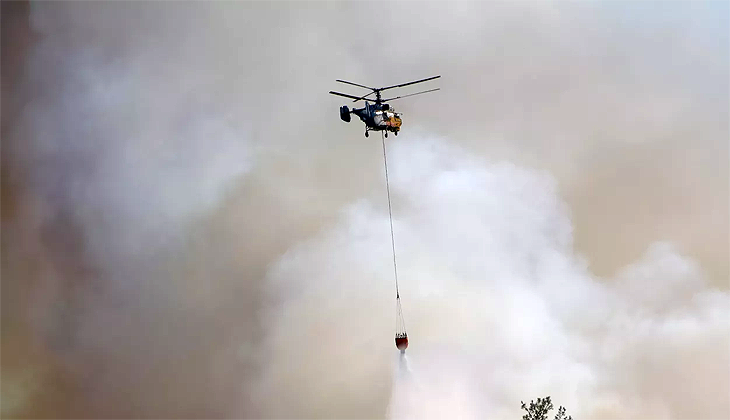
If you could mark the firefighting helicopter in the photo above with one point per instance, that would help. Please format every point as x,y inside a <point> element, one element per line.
<point>378,115</point>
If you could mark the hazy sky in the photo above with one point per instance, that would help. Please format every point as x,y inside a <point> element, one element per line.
<point>189,229</point>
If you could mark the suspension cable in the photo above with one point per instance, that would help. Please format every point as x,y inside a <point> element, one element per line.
<point>390,214</point>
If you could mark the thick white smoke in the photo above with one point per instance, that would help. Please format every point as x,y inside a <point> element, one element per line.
<point>498,306</point>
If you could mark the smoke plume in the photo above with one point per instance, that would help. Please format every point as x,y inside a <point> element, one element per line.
<point>497,305</point>
<point>189,231</point>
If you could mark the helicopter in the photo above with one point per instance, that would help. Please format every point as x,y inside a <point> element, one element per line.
<point>378,115</point>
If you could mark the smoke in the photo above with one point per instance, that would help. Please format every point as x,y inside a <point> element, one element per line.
<point>498,307</point>
<point>189,230</point>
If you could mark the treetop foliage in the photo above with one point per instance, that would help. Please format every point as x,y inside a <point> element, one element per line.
<point>539,410</point>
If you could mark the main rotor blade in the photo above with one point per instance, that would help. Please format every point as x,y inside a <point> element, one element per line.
<point>344,94</point>
<point>351,96</point>
<point>354,84</point>
<point>363,97</point>
<point>409,83</point>
<point>412,94</point>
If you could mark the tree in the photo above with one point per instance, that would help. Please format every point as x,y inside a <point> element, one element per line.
<point>539,410</point>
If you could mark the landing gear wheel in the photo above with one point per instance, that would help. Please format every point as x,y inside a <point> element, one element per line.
<point>366,134</point>
<point>386,134</point>
<point>396,133</point>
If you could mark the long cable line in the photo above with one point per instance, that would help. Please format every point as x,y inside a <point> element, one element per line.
<point>390,214</point>
<point>401,337</point>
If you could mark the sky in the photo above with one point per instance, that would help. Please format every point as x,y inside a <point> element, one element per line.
<point>190,231</point>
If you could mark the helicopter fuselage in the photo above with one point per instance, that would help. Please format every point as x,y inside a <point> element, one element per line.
<point>377,117</point>
<point>377,113</point>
